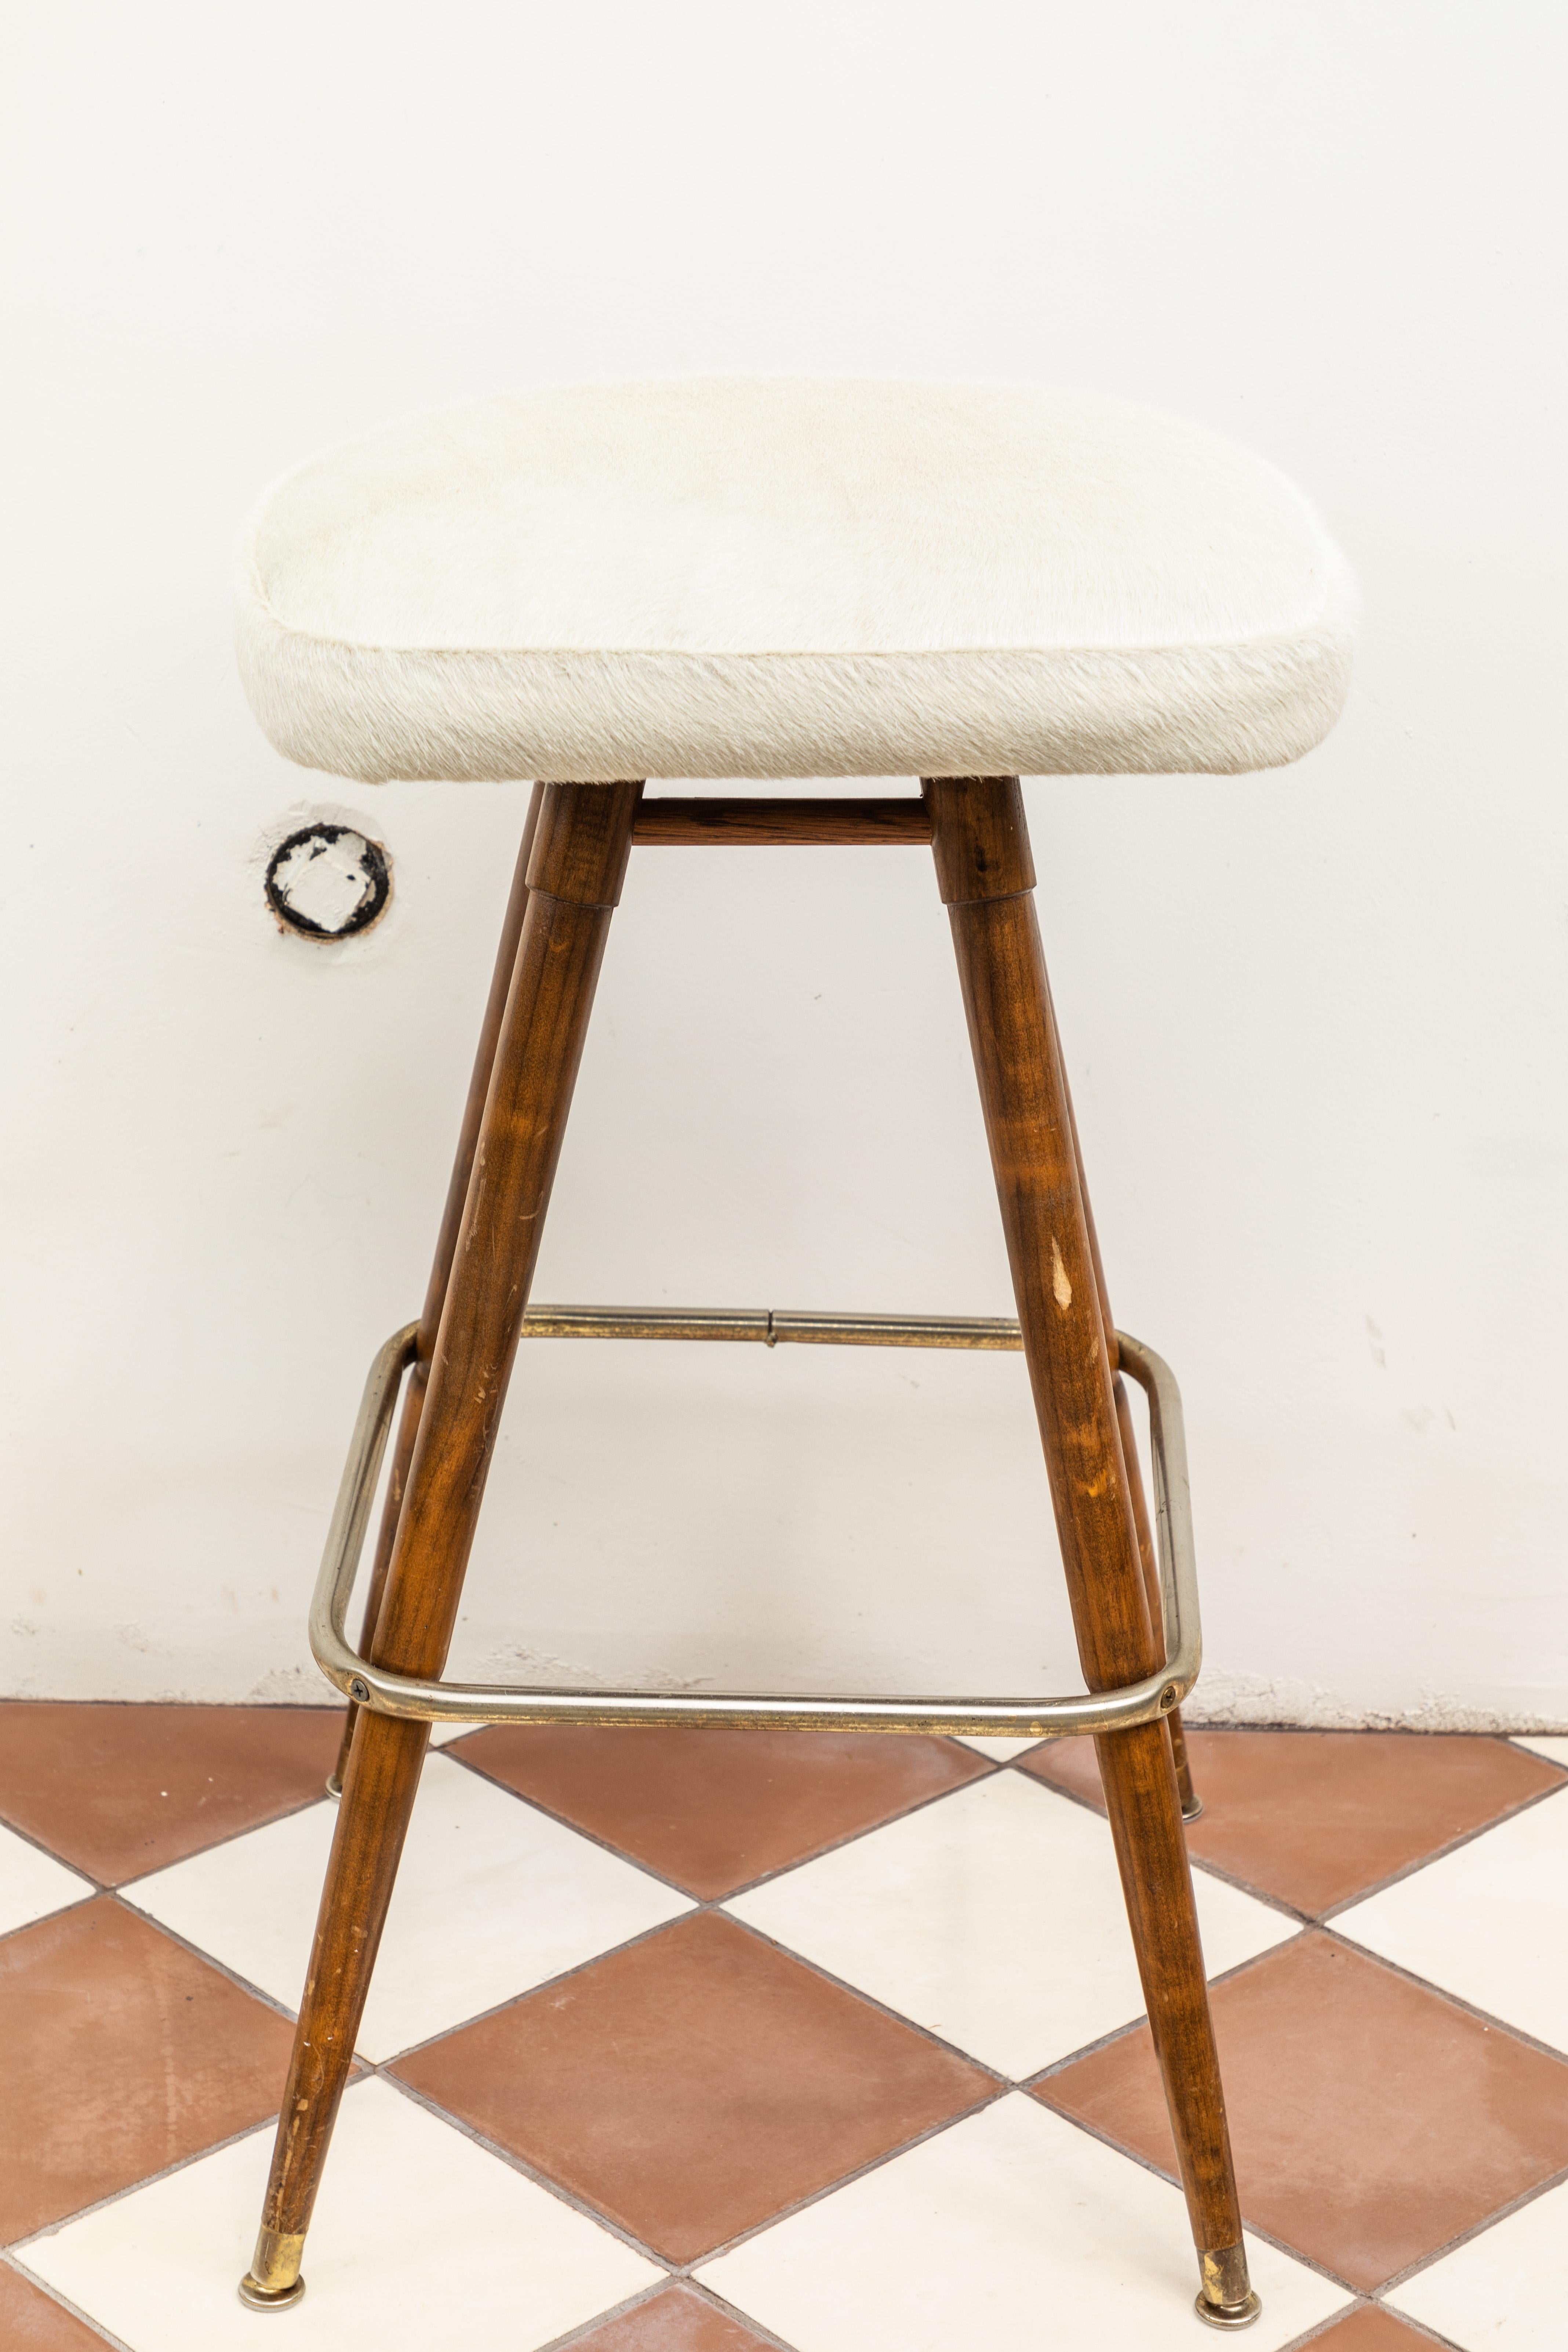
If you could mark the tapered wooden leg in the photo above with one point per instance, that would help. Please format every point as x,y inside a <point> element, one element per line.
<point>986,877</point>
<point>441,1269</point>
<point>1192,1805</point>
<point>574,880</point>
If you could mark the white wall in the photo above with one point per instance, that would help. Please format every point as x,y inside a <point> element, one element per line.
<point>1315,1020</point>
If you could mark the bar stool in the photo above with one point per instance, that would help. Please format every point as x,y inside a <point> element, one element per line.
<point>743,578</point>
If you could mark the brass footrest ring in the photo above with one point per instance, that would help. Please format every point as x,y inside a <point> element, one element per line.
<point>414,1699</point>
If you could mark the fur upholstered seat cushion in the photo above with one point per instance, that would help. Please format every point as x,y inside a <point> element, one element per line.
<point>756,577</point>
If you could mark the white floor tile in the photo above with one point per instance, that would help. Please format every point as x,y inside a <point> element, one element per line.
<point>994,1918</point>
<point>1489,1922</point>
<point>1002,1749</point>
<point>32,1885</point>
<point>420,2238</point>
<point>1507,2290</point>
<point>493,1897</point>
<point>1554,1748</point>
<point>1012,2227</point>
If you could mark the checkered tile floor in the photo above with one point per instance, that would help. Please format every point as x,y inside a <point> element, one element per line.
<point>695,2042</point>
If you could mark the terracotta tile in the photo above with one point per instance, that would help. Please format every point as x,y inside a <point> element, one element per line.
<point>1370,2329</point>
<point>32,2321</point>
<point>120,2052</point>
<point>122,1789</point>
<point>1315,1817</point>
<point>696,2083</point>
<point>714,1810</point>
<point>1373,2120</point>
<point>675,2321</point>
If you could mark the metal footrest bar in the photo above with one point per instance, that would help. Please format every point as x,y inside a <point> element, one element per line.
<point>414,1699</point>
<point>772,1326</point>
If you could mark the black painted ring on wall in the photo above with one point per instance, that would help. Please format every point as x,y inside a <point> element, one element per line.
<point>307,897</point>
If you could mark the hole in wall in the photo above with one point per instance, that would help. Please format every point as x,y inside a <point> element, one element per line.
<point>328,881</point>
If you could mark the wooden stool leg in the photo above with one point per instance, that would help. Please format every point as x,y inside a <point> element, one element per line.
<point>987,878</point>
<point>1192,1804</point>
<point>574,880</point>
<point>441,1270</point>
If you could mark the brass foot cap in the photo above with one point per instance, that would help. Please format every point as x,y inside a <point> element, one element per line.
<point>261,2298</point>
<point>1227,2315</point>
<point>334,1786</point>
<point>1189,1812</point>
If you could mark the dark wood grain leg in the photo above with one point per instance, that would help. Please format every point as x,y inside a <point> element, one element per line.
<point>1192,1805</point>
<point>573,882</point>
<point>441,1269</point>
<point>987,878</point>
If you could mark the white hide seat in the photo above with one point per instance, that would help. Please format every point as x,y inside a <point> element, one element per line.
<point>745,577</point>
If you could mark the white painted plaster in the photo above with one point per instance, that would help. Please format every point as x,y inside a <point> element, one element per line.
<point>1315,1020</point>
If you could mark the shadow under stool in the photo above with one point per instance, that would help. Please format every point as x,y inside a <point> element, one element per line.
<point>739,578</point>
